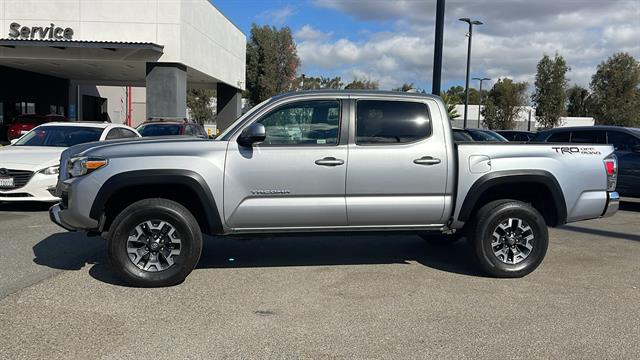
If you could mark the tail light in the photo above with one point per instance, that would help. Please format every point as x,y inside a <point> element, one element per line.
<point>611,166</point>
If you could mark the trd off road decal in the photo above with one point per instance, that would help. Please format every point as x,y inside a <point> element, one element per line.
<point>571,150</point>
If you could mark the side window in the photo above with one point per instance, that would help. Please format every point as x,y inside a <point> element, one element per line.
<point>559,137</point>
<point>621,141</point>
<point>588,137</point>
<point>113,134</point>
<point>188,130</point>
<point>391,122</point>
<point>126,133</point>
<point>315,122</point>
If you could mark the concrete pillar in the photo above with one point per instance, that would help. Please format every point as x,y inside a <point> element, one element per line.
<point>229,106</point>
<point>166,91</point>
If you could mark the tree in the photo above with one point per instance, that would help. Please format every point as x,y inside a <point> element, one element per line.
<point>458,95</point>
<point>451,106</point>
<point>550,94</point>
<point>362,84</point>
<point>504,103</point>
<point>199,104</point>
<point>615,93</point>
<point>404,88</point>
<point>311,83</point>
<point>577,98</point>
<point>272,62</point>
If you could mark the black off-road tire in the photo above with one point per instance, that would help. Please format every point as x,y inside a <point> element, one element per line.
<point>490,220</point>
<point>185,227</point>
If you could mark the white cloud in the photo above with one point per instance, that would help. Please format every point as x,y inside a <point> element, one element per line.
<point>276,16</point>
<point>513,39</point>
<point>308,33</point>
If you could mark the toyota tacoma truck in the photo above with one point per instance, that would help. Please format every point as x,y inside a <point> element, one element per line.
<point>329,161</point>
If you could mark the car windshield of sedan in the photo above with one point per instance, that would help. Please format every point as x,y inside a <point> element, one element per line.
<point>59,136</point>
<point>159,129</point>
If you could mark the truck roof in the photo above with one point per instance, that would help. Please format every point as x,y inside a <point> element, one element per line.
<point>339,92</point>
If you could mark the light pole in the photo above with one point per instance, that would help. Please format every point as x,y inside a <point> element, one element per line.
<point>469,34</point>
<point>480,95</point>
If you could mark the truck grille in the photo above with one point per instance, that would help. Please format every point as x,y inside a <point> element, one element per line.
<point>20,177</point>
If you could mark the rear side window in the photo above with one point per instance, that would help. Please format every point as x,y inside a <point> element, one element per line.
<point>113,134</point>
<point>622,141</point>
<point>559,137</point>
<point>126,133</point>
<point>391,122</point>
<point>588,137</point>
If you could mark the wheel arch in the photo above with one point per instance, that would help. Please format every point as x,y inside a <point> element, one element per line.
<point>538,187</point>
<point>183,186</point>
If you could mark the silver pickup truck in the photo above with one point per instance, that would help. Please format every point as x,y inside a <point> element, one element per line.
<point>328,161</point>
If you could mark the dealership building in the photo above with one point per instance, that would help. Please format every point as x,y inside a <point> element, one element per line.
<point>115,60</point>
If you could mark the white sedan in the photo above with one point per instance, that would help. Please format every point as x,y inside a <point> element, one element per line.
<point>29,166</point>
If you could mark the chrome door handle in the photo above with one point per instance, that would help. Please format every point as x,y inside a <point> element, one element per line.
<point>329,161</point>
<point>426,160</point>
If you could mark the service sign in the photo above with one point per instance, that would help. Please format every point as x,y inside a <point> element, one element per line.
<point>51,32</point>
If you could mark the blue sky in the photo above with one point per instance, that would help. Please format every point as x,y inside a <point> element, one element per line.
<point>392,41</point>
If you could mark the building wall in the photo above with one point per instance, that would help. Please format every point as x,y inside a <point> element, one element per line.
<point>193,32</point>
<point>522,121</point>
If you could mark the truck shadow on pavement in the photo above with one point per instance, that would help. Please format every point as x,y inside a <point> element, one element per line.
<point>68,251</point>
<point>73,251</point>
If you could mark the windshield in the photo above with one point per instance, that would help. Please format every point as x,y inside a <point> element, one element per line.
<point>159,129</point>
<point>59,136</point>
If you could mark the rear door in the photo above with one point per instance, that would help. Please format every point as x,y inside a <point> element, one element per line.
<point>397,172</point>
<point>296,177</point>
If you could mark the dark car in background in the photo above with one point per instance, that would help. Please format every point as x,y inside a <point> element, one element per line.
<point>517,135</point>
<point>625,141</point>
<point>483,135</point>
<point>22,124</point>
<point>461,135</point>
<point>171,128</point>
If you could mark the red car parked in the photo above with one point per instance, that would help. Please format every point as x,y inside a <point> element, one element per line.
<point>24,123</point>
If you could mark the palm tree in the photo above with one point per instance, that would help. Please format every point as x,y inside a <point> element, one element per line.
<point>451,107</point>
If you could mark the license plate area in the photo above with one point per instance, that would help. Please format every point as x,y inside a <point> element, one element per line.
<point>7,183</point>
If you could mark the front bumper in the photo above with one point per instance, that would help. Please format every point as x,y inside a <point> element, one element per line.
<point>54,215</point>
<point>613,204</point>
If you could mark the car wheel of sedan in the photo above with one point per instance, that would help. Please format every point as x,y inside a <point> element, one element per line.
<point>509,238</point>
<point>154,242</point>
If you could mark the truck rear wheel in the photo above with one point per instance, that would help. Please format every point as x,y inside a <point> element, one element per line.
<point>154,242</point>
<point>509,238</point>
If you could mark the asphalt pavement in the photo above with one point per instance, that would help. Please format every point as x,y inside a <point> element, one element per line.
<point>356,297</point>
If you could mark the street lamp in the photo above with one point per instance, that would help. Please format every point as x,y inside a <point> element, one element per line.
<point>480,94</point>
<point>469,34</point>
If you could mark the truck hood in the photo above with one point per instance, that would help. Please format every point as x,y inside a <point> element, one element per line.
<point>143,147</point>
<point>29,157</point>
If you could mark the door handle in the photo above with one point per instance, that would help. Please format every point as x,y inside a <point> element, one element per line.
<point>426,160</point>
<point>329,161</point>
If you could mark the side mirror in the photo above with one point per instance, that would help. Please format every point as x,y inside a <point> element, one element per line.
<point>13,141</point>
<point>252,134</point>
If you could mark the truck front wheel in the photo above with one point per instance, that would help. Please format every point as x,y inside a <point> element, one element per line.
<point>509,238</point>
<point>154,242</point>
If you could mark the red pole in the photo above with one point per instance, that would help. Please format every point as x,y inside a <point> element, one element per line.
<point>128,105</point>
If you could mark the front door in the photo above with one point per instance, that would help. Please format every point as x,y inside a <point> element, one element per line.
<point>296,177</point>
<point>397,171</point>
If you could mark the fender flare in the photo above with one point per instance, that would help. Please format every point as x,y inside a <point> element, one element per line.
<point>188,178</point>
<point>488,181</point>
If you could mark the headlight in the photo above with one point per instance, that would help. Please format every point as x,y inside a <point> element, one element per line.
<point>83,165</point>
<point>51,170</point>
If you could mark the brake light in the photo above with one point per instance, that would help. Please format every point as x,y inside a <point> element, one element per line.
<point>611,166</point>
